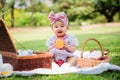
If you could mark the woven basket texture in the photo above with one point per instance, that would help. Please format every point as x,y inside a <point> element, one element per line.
<point>21,63</point>
<point>87,62</point>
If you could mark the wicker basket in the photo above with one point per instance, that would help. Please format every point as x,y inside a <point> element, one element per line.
<point>21,63</point>
<point>87,62</point>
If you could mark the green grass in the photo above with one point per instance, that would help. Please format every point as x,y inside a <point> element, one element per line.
<point>109,37</point>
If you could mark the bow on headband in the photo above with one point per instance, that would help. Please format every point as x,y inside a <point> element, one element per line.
<point>59,16</point>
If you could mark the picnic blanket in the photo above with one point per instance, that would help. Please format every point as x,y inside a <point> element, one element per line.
<point>64,69</point>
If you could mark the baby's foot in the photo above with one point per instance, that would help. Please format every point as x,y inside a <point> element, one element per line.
<point>60,62</point>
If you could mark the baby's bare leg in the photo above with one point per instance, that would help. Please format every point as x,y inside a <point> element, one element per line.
<point>72,61</point>
<point>53,59</point>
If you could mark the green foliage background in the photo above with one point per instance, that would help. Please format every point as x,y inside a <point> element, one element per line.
<point>78,11</point>
<point>22,19</point>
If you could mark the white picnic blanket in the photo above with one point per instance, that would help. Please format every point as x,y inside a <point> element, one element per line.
<point>64,69</point>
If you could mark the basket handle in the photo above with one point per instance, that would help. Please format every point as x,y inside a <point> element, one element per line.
<point>83,46</point>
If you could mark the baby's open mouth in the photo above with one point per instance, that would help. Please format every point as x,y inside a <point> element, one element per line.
<point>59,32</point>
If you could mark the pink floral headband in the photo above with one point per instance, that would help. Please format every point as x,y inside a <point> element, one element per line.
<point>58,16</point>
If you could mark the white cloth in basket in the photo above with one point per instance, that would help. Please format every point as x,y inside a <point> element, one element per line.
<point>87,54</point>
<point>25,52</point>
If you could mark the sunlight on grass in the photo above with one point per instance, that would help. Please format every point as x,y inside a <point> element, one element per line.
<point>98,30</point>
<point>41,35</point>
<point>31,36</point>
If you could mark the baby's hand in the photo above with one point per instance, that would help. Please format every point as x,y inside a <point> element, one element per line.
<point>59,43</point>
<point>66,45</point>
<point>70,48</point>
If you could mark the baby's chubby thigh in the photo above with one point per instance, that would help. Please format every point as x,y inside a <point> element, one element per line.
<point>76,53</point>
<point>59,54</point>
<point>53,50</point>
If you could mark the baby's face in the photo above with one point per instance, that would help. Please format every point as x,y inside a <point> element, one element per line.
<point>60,28</point>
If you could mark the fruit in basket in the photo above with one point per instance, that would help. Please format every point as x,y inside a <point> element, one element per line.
<point>59,43</point>
<point>101,58</point>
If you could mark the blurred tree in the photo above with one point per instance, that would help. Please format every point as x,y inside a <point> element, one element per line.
<point>2,5</point>
<point>12,12</point>
<point>36,6</point>
<point>75,9</point>
<point>22,3</point>
<point>108,8</point>
<point>7,5</point>
<point>32,8</point>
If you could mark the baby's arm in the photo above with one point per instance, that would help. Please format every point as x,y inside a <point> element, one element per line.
<point>70,48</point>
<point>50,47</point>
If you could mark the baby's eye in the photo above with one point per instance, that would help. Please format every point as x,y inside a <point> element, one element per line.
<point>56,27</point>
<point>62,26</point>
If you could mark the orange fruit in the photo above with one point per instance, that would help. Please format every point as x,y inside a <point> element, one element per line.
<point>59,43</point>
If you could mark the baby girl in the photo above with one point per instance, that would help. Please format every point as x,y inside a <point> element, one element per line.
<point>59,25</point>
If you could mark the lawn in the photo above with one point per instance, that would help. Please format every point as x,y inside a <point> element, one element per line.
<point>34,38</point>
